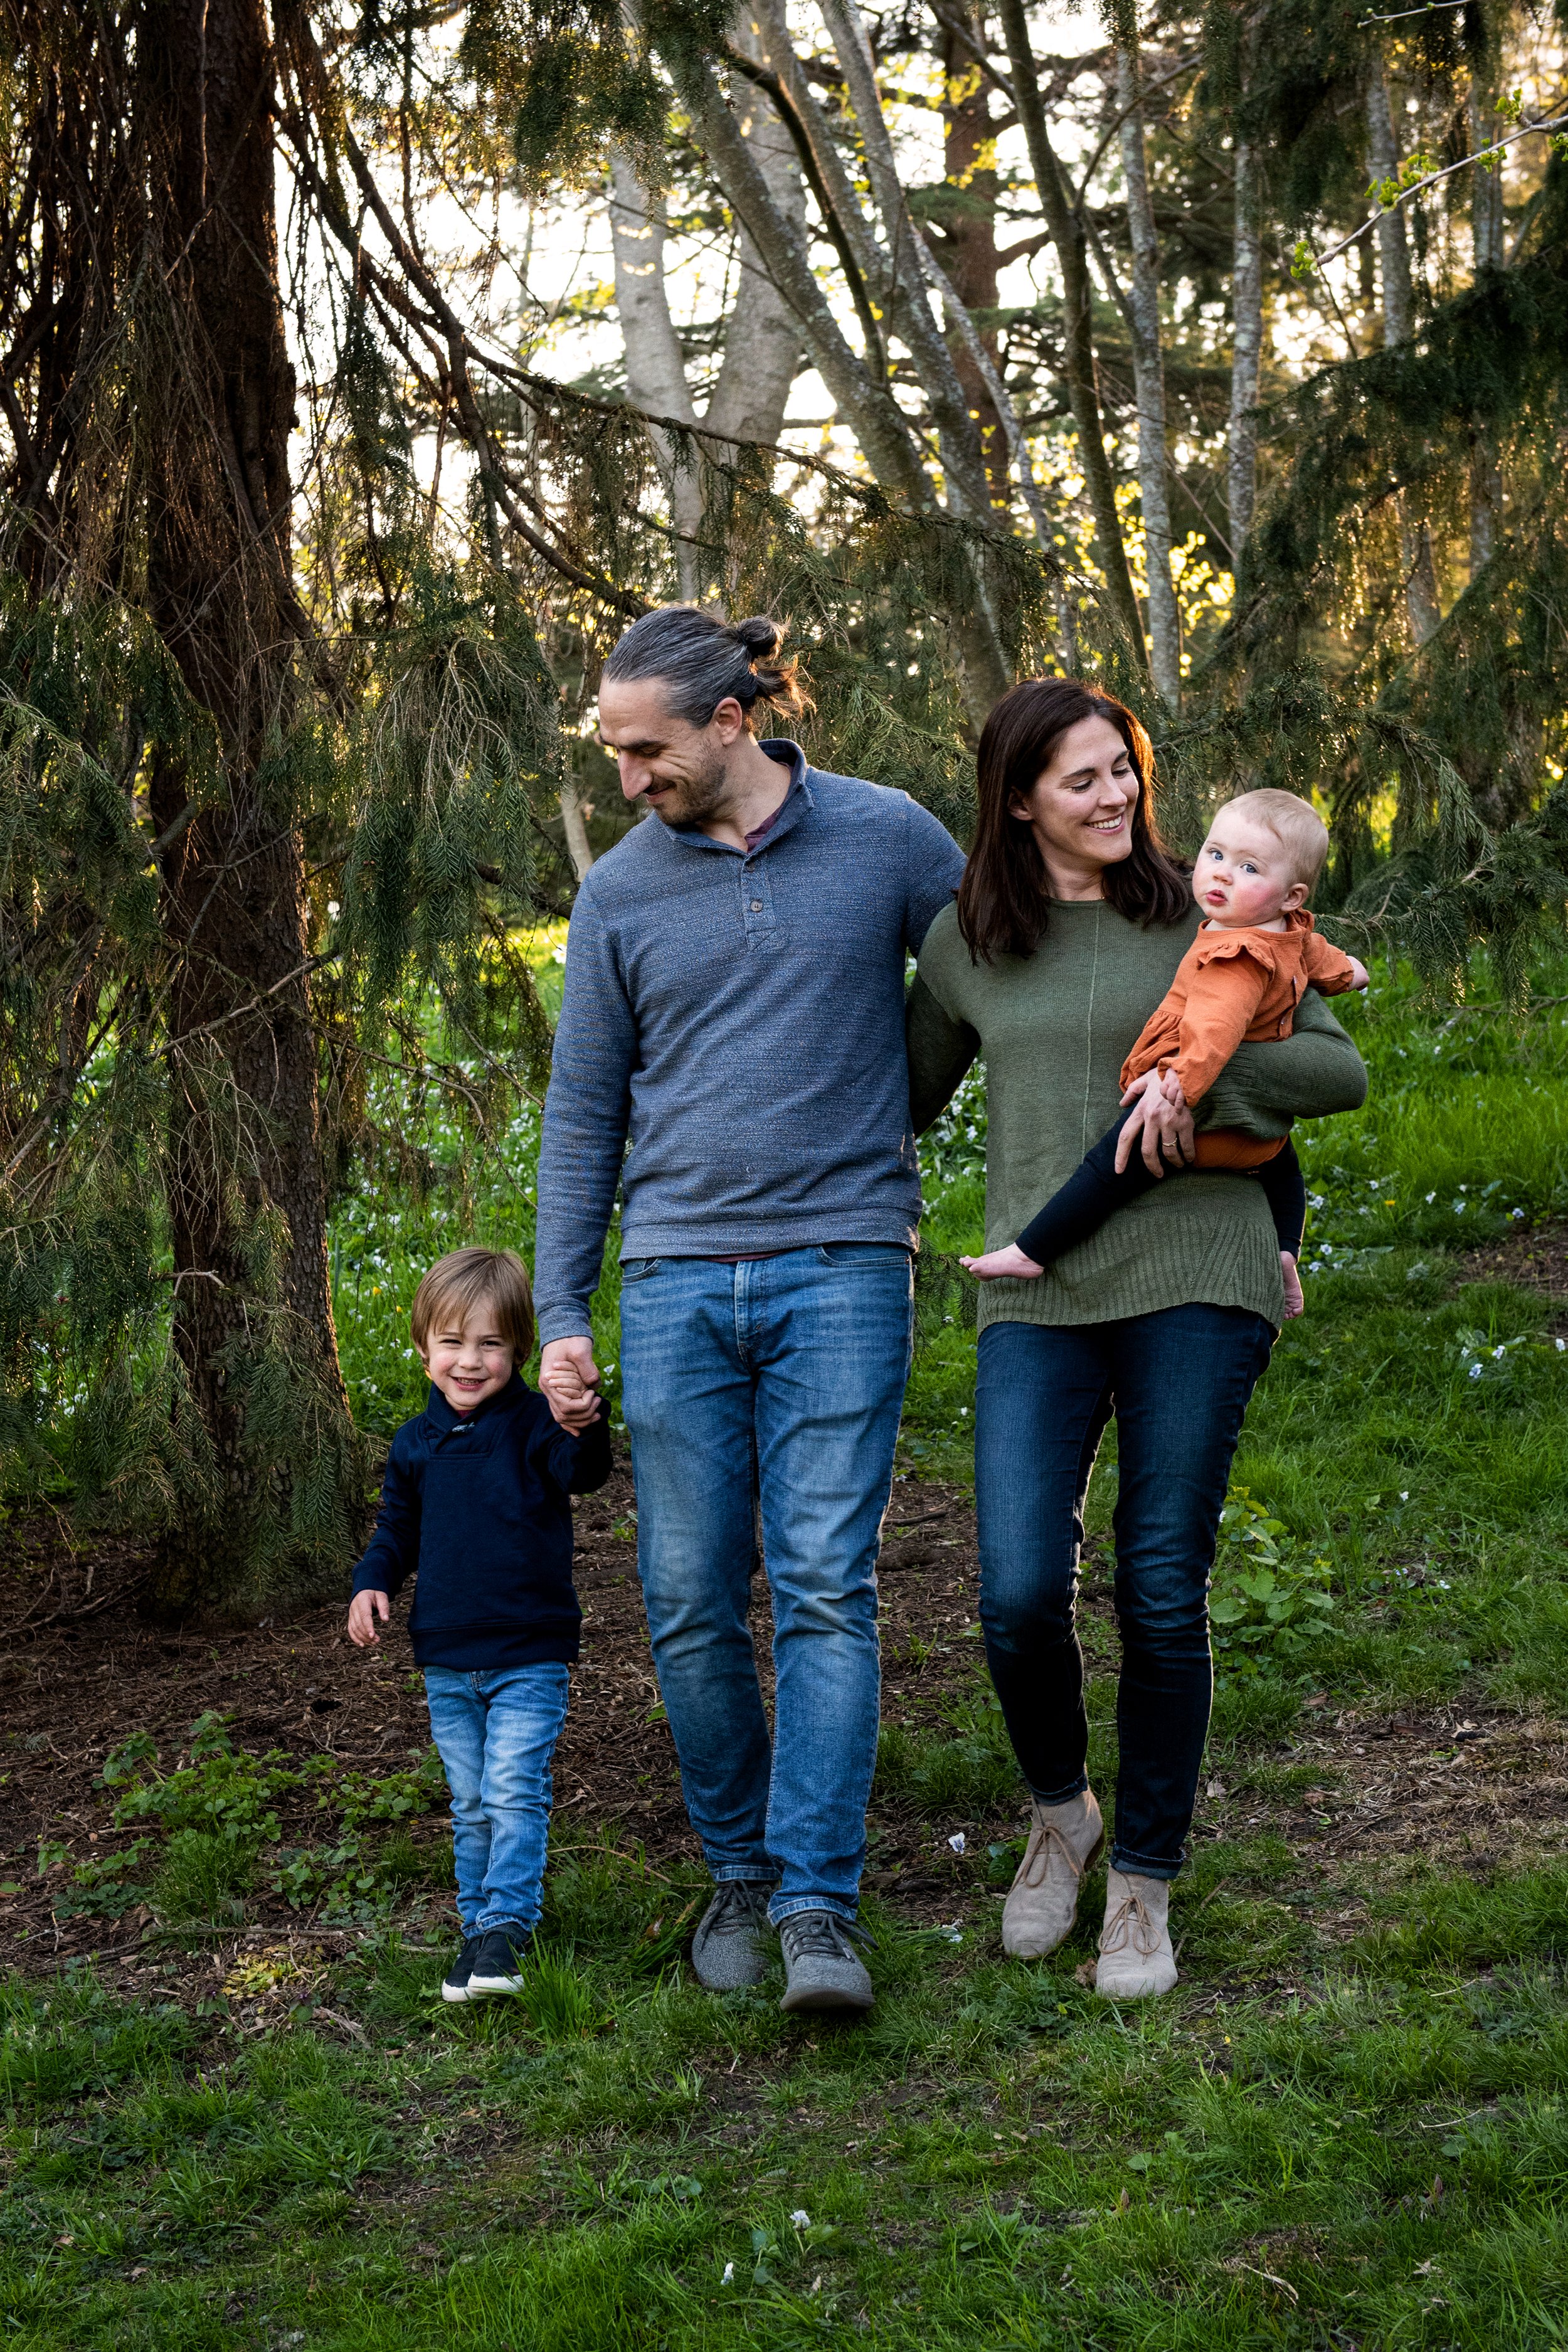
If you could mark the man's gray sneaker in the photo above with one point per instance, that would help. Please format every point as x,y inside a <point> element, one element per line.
<point>819,1959</point>
<point>729,1949</point>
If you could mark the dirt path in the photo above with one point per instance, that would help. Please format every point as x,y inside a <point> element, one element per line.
<point>1536,1259</point>
<point>80,1671</point>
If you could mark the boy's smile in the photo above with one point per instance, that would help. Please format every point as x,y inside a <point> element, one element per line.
<point>471,1364</point>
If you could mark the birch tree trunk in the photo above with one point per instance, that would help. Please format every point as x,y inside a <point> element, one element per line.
<point>1398,323</point>
<point>655,370</point>
<point>1066,225</point>
<point>888,440</point>
<point>1148,385</point>
<point>762,338</point>
<point>1487,235</point>
<point>909,300</point>
<point>574,826</point>
<point>1246,350</point>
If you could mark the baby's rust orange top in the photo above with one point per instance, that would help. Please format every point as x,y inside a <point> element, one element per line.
<point>1233,988</point>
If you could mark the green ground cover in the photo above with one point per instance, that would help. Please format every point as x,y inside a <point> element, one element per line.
<point>1332,2136</point>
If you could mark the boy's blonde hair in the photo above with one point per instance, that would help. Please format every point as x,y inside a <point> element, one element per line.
<point>1294,823</point>
<point>466,1279</point>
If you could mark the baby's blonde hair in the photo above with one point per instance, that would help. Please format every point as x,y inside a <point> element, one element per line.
<point>1294,823</point>
<point>466,1279</point>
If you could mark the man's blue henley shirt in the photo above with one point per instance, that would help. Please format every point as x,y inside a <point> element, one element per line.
<point>739,1015</point>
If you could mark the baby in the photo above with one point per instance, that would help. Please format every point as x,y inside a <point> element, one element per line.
<point>1241,980</point>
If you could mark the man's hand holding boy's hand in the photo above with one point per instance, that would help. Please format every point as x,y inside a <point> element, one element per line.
<point>363,1610</point>
<point>569,1383</point>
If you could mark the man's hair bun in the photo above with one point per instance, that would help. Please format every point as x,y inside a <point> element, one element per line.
<point>761,636</point>
<point>704,660</point>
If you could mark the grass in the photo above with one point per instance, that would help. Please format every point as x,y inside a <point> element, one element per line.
<point>616,2159</point>
<point>1348,2129</point>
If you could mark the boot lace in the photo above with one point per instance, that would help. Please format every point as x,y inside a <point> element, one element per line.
<point>1047,1839</point>
<point>1130,1927</point>
<point>821,1934</point>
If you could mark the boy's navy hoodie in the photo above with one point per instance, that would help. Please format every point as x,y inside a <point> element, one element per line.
<point>478,1503</point>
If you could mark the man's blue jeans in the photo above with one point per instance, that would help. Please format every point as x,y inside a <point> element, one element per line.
<point>496,1731</point>
<point>1178,1382</point>
<point>762,1401</point>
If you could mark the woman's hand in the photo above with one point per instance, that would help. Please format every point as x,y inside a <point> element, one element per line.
<point>1160,1124</point>
<point>996,1262</point>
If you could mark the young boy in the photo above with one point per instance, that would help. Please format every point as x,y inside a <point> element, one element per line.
<point>476,1499</point>
<point>1241,979</point>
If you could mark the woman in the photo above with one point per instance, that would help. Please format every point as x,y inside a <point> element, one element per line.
<point>1068,929</point>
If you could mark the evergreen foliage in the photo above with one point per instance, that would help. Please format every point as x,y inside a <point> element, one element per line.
<point>377,679</point>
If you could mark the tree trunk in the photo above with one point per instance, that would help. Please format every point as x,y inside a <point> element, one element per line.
<point>1066,230</point>
<point>573,825</point>
<point>1398,324</point>
<point>1246,350</point>
<point>1148,385</point>
<point>968,251</point>
<point>869,408</point>
<point>864,399</point>
<point>251,1288</point>
<point>655,370</point>
<point>908,296</point>
<point>1487,232</point>
<point>762,337</point>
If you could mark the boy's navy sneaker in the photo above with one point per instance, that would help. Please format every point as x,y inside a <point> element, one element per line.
<point>499,1960</point>
<point>455,1983</point>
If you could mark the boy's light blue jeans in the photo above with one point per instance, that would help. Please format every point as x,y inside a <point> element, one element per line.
<point>496,1732</point>
<point>762,1399</point>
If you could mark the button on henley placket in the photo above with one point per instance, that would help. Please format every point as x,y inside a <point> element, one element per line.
<point>756,898</point>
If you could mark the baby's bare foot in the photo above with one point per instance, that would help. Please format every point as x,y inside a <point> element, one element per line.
<point>1295,1304</point>
<point>996,1262</point>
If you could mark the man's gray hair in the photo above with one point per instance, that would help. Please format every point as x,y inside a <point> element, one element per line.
<point>703,659</point>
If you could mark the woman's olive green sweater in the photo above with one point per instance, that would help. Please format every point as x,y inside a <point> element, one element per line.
<point>1054,1029</point>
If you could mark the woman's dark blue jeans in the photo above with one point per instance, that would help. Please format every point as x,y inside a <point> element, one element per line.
<point>1178,1382</point>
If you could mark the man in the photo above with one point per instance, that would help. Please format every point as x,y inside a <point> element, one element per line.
<point>734,1002</point>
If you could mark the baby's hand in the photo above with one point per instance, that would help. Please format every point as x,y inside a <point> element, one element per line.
<point>996,1262</point>
<point>1140,1088</point>
<point>363,1610</point>
<point>1295,1302</point>
<point>1362,977</point>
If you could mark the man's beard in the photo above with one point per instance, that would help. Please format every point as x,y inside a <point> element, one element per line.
<point>696,796</point>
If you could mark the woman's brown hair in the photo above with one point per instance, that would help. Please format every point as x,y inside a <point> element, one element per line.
<point>1004,900</point>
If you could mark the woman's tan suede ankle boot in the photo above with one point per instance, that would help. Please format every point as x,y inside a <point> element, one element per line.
<point>1042,1903</point>
<point>1135,1955</point>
